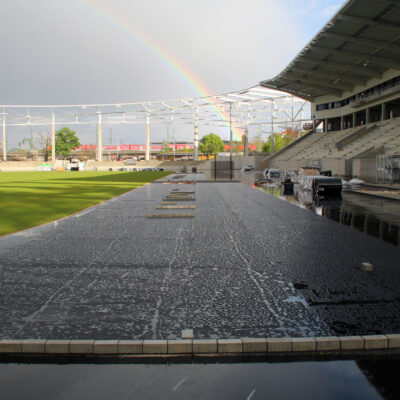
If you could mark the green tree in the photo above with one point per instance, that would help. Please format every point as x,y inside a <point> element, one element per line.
<point>266,148</point>
<point>211,144</point>
<point>65,141</point>
<point>280,141</point>
<point>165,147</point>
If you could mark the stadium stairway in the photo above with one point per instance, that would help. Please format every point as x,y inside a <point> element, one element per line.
<point>335,150</point>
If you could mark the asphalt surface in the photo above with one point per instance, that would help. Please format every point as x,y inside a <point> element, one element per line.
<point>247,265</point>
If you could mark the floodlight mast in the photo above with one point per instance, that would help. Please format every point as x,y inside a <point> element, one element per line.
<point>4,137</point>
<point>196,136</point>
<point>53,138</point>
<point>99,141</point>
<point>147,150</point>
<point>230,134</point>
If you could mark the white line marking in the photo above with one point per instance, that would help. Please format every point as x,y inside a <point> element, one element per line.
<point>251,394</point>
<point>84,212</point>
<point>179,384</point>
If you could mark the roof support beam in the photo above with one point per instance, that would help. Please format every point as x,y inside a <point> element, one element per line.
<point>325,82</point>
<point>281,86</point>
<point>369,21</point>
<point>320,75</point>
<point>367,42</point>
<point>387,62</point>
<point>372,73</point>
<point>346,77</point>
<point>312,84</point>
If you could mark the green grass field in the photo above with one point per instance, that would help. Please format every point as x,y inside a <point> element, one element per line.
<point>32,198</point>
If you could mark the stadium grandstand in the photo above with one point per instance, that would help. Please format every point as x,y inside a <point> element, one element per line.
<point>350,72</point>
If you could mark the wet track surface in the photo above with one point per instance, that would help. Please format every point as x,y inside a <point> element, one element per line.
<point>247,264</point>
<point>379,217</point>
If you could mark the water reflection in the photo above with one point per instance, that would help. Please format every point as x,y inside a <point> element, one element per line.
<point>371,215</point>
<point>208,379</point>
<point>374,216</point>
<point>383,375</point>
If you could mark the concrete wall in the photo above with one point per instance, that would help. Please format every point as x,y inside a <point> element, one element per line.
<point>364,168</point>
<point>239,162</point>
<point>337,166</point>
<point>15,166</point>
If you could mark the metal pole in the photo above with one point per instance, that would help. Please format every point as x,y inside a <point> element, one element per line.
<point>4,138</point>
<point>53,138</point>
<point>246,132</point>
<point>272,128</point>
<point>99,143</point>
<point>246,142</point>
<point>230,134</point>
<point>196,137</point>
<point>147,149</point>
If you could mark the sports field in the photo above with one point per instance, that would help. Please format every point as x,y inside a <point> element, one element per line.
<point>32,198</point>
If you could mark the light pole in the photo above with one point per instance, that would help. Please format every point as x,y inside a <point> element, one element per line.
<point>230,136</point>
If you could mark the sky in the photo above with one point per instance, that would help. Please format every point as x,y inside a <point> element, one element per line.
<point>102,51</point>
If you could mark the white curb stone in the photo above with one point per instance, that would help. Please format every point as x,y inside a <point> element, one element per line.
<point>277,345</point>
<point>205,346</point>
<point>328,343</point>
<point>351,343</point>
<point>376,342</point>
<point>10,346</point>
<point>304,344</point>
<point>229,345</point>
<point>106,346</point>
<point>394,341</point>
<point>202,346</point>
<point>367,267</point>
<point>130,347</point>
<point>81,346</point>
<point>187,334</point>
<point>155,347</point>
<point>57,346</point>
<point>180,346</point>
<point>254,345</point>
<point>33,346</point>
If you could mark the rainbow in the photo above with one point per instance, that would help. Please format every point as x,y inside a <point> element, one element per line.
<point>172,62</point>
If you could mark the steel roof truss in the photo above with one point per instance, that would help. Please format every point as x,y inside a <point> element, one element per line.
<point>388,62</point>
<point>363,71</point>
<point>367,42</point>
<point>306,82</point>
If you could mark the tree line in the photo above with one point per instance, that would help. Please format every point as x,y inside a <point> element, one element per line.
<point>66,140</point>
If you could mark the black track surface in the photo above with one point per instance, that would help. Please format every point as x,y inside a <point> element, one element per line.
<point>247,264</point>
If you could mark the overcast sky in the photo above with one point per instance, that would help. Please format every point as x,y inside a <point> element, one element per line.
<point>103,51</point>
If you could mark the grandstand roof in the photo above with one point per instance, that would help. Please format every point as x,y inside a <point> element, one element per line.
<point>360,42</point>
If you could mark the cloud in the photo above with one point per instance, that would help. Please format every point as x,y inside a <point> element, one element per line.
<point>68,52</point>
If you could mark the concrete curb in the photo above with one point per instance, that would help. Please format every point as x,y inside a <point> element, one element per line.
<point>312,345</point>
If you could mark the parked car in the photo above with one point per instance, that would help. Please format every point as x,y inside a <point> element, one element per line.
<point>248,168</point>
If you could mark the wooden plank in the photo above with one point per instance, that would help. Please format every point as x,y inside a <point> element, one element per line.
<point>174,207</point>
<point>178,199</point>
<point>170,215</point>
